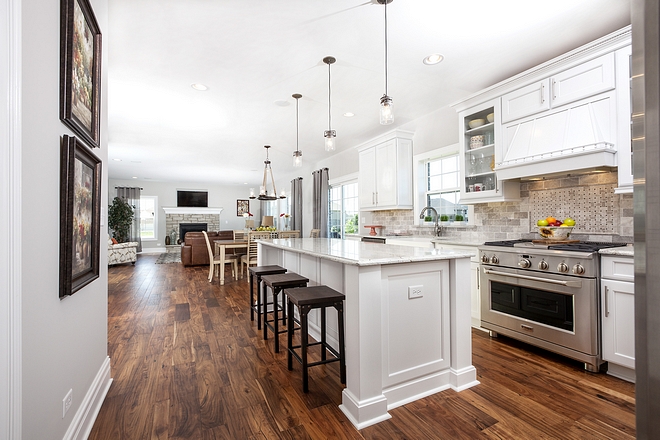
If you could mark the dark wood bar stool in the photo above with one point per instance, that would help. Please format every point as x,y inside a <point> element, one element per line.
<point>255,273</point>
<point>277,284</point>
<point>306,299</point>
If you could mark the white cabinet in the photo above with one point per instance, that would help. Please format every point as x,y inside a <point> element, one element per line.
<point>385,180</point>
<point>526,101</point>
<point>587,79</point>
<point>623,59</point>
<point>480,149</point>
<point>618,315</point>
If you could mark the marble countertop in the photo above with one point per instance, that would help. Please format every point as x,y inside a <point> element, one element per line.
<point>624,251</point>
<point>361,253</point>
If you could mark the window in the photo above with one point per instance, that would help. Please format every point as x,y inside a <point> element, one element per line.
<point>344,211</point>
<point>442,187</point>
<point>148,217</point>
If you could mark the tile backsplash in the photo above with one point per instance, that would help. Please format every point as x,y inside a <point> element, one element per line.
<point>600,214</point>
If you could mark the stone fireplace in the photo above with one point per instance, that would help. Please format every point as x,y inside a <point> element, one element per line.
<point>175,216</point>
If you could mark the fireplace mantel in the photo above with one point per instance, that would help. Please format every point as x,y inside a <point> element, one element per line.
<point>182,210</point>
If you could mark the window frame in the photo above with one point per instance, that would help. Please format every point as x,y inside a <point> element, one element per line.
<point>349,179</point>
<point>155,199</point>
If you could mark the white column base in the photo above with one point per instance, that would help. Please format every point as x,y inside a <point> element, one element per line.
<point>365,413</point>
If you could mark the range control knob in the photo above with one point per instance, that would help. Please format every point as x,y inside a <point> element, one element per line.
<point>562,267</point>
<point>494,259</point>
<point>543,265</point>
<point>524,263</point>
<point>485,259</point>
<point>578,269</point>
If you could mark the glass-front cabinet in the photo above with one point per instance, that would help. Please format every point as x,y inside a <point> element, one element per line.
<point>481,147</point>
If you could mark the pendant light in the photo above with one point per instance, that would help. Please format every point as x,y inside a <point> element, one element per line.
<point>297,155</point>
<point>329,134</point>
<point>264,194</point>
<point>386,106</point>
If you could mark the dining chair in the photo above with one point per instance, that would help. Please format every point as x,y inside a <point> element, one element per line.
<point>240,235</point>
<point>289,234</point>
<point>315,233</point>
<point>250,259</point>
<point>215,260</point>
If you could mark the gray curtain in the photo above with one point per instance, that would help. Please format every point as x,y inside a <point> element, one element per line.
<point>296,205</point>
<point>132,196</point>
<point>320,197</point>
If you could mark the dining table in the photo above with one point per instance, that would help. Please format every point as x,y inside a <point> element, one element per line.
<point>221,247</point>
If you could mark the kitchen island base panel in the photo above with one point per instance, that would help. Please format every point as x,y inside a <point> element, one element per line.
<point>398,348</point>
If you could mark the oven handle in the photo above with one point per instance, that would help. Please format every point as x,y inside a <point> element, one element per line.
<point>527,277</point>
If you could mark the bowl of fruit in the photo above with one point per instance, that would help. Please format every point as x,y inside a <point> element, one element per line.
<point>552,229</point>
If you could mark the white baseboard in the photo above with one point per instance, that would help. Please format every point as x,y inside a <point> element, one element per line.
<point>83,421</point>
<point>152,251</point>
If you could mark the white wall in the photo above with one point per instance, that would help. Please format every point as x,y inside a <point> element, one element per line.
<point>64,342</point>
<point>219,197</point>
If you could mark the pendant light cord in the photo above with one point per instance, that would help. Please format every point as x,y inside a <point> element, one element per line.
<point>385,47</point>
<point>297,149</point>
<point>329,102</point>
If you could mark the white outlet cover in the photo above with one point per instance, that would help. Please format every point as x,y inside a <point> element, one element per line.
<point>415,291</point>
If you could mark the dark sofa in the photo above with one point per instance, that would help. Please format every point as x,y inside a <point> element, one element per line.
<point>193,248</point>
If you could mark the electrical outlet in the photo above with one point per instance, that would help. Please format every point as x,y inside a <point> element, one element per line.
<point>66,402</point>
<point>415,292</point>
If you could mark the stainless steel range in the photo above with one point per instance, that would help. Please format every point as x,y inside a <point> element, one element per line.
<point>545,295</point>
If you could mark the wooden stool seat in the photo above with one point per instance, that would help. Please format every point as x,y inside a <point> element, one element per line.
<point>306,299</point>
<point>277,283</point>
<point>257,272</point>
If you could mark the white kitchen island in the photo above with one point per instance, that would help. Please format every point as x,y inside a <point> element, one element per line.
<point>407,318</point>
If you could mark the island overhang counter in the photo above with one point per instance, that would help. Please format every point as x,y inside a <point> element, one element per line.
<point>406,312</point>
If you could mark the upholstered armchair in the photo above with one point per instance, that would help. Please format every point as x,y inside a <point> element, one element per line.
<point>122,252</point>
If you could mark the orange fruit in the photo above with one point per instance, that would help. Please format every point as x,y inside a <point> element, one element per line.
<point>550,220</point>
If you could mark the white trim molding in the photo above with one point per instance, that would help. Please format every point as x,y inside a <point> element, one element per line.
<point>182,210</point>
<point>10,221</point>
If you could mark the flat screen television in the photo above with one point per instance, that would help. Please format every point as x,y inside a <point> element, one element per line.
<point>196,199</point>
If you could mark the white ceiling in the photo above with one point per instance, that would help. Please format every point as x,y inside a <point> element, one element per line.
<point>253,53</point>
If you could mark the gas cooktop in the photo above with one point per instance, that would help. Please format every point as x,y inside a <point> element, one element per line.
<point>581,246</point>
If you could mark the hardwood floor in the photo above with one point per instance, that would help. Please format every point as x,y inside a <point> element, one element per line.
<point>188,363</point>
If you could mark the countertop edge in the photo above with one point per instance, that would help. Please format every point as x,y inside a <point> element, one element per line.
<point>623,251</point>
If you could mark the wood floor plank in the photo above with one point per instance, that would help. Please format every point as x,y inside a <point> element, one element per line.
<point>188,363</point>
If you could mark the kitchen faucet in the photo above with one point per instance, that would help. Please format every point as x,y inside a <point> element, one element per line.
<point>435,219</point>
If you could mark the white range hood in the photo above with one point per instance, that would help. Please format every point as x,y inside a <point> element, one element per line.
<point>576,138</point>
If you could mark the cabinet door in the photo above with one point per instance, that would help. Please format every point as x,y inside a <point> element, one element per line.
<point>367,179</point>
<point>587,79</point>
<point>475,299</point>
<point>526,101</point>
<point>618,313</point>
<point>386,181</point>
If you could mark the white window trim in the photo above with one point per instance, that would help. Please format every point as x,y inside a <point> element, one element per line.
<point>341,181</point>
<point>155,218</point>
<point>419,177</point>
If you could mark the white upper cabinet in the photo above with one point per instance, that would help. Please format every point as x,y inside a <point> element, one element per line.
<point>385,180</point>
<point>587,79</point>
<point>526,101</point>
<point>562,116</point>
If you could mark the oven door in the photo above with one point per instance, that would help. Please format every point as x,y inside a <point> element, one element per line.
<point>556,312</point>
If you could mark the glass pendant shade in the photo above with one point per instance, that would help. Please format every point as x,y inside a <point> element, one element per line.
<point>330,140</point>
<point>297,159</point>
<point>386,110</point>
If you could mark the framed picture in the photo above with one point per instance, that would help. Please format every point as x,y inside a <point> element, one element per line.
<point>80,70</point>
<point>242,207</point>
<point>80,214</point>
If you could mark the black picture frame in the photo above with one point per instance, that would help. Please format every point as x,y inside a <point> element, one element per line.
<point>80,214</point>
<point>80,70</point>
<point>242,207</point>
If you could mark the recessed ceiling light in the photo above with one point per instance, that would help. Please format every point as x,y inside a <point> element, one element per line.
<point>433,59</point>
<point>134,177</point>
<point>349,114</point>
<point>198,86</point>
<point>281,103</point>
<point>117,160</point>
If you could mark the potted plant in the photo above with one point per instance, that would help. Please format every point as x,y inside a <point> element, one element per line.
<point>120,219</point>
<point>459,220</point>
<point>444,219</point>
<point>428,220</point>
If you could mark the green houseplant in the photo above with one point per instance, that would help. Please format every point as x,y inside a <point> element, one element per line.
<point>120,218</point>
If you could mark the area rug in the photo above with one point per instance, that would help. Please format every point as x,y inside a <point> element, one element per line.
<point>172,257</point>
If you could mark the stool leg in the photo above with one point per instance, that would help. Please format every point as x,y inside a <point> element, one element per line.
<point>259,311</point>
<point>303,346</point>
<point>251,295</point>
<point>289,336</point>
<point>323,340</point>
<point>342,355</point>
<point>276,319</point>
<point>264,301</point>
